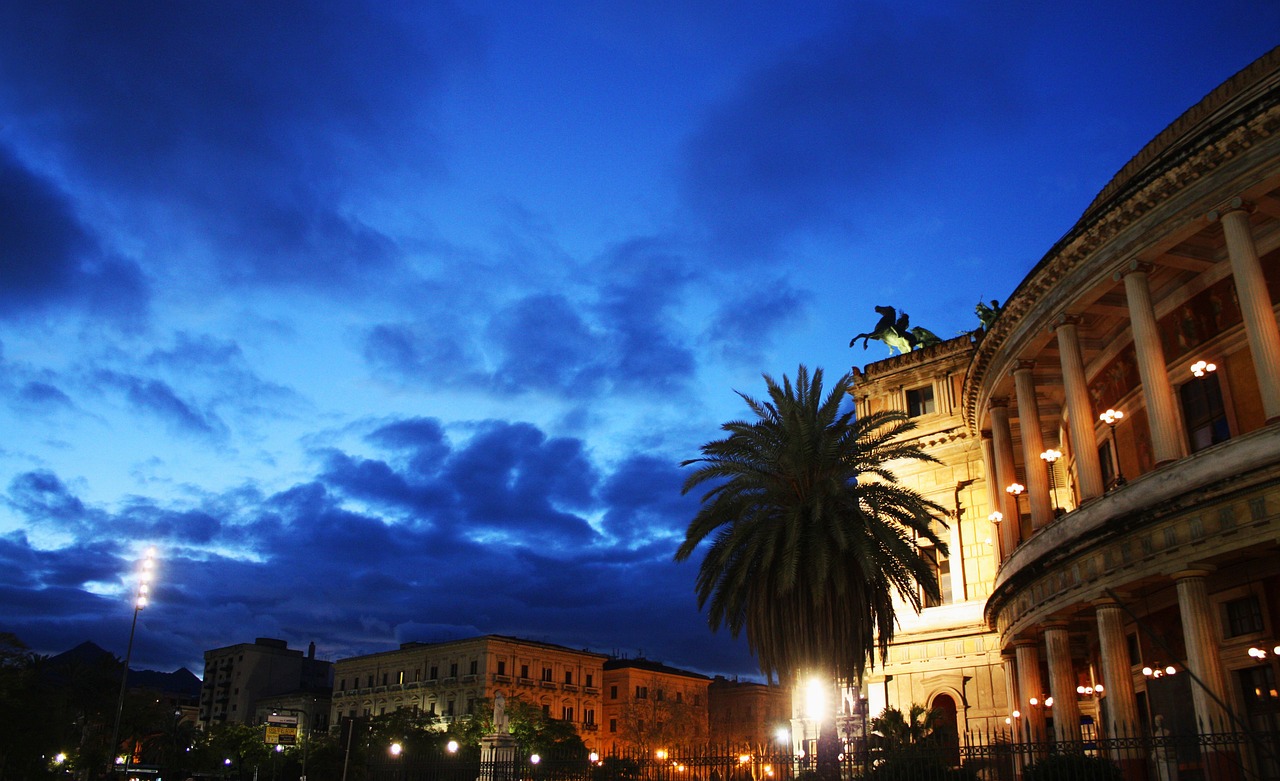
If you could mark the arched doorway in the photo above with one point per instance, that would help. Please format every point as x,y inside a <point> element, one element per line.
<point>948,727</point>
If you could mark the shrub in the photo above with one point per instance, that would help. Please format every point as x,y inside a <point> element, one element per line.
<point>1070,767</point>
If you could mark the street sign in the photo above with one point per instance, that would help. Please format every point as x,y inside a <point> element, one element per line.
<point>282,730</point>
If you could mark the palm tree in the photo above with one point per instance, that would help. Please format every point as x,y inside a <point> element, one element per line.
<point>810,534</point>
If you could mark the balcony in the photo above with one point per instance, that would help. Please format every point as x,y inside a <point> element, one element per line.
<point>547,684</point>
<point>501,678</point>
<point>570,687</point>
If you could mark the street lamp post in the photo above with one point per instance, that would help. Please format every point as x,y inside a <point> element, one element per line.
<point>1051,457</point>
<point>1111,417</point>
<point>1015,490</point>
<point>145,572</point>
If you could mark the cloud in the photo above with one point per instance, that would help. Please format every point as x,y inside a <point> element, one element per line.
<point>809,136</point>
<point>257,125</point>
<point>620,335</point>
<point>48,257</point>
<point>644,501</point>
<point>363,555</point>
<point>159,400</point>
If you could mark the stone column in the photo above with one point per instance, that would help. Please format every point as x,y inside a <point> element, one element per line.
<point>1255,304</point>
<point>1122,705</point>
<point>1032,445</point>
<point>1030,687</point>
<point>1002,441</point>
<point>1202,649</point>
<point>1080,417</point>
<point>1167,440</point>
<point>1120,702</point>
<point>1062,683</point>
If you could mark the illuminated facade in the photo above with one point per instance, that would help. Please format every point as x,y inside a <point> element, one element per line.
<point>650,706</point>
<point>448,679</point>
<point>1150,547</point>
<point>743,713</point>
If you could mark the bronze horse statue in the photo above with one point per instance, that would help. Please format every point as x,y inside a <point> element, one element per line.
<point>896,332</point>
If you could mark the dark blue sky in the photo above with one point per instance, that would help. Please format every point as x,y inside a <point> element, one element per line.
<point>390,322</point>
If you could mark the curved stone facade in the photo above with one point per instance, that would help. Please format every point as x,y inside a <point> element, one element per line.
<point>1140,571</point>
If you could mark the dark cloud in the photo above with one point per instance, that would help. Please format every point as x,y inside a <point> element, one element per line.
<point>255,123</point>
<point>643,497</point>
<point>42,394</point>
<point>547,346</point>
<point>48,257</point>
<point>488,535</point>
<point>512,477</point>
<point>621,338</point>
<point>811,135</point>
<point>158,399</point>
<point>746,319</point>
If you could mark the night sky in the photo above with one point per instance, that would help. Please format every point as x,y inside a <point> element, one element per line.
<point>394,321</point>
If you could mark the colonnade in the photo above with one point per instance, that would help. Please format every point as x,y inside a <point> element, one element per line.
<point>1167,435</point>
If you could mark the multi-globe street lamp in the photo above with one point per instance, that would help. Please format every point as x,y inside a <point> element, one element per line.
<point>146,570</point>
<point>1050,458</point>
<point>1111,417</point>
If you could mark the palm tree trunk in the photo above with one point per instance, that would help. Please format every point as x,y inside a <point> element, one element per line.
<point>828,750</point>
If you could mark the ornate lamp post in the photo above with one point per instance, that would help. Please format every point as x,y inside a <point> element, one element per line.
<point>146,570</point>
<point>1015,490</point>
<point>1111,417</point>
<point>1051,457</point>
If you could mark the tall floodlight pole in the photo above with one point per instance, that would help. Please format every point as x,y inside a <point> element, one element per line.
<point>146,569</point>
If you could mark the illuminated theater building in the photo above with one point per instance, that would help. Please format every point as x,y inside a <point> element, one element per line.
<point>1134,583</point>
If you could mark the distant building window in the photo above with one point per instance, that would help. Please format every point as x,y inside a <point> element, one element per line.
<point>546,710</point>
<point>1204,413</point>
<point>566,713</point>
<point>679,697</point>
<point>642,692</point>
<point>591,680</point>
<point>546,674</point>
<point>1244,617</point>
<point>400,678</point>
<point>568,676</point>
<point>613,692</point>
<point>435,672</point>
<point>448,708</point>
<point>524,671</point>
<point>453,670</point>
<point>384,679</point>
<point>589,716</point>
<point>475,666</point>
<point>659,695</point>
<point>342,685</point>
<point>370,683</point>
<point>920,401</point>
<point>502,667</point>
<point>417,673</point>
<point>697,699</point>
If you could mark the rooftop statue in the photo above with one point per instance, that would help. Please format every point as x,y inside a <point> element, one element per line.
<point>987,313</point>
<point>896,332</point>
